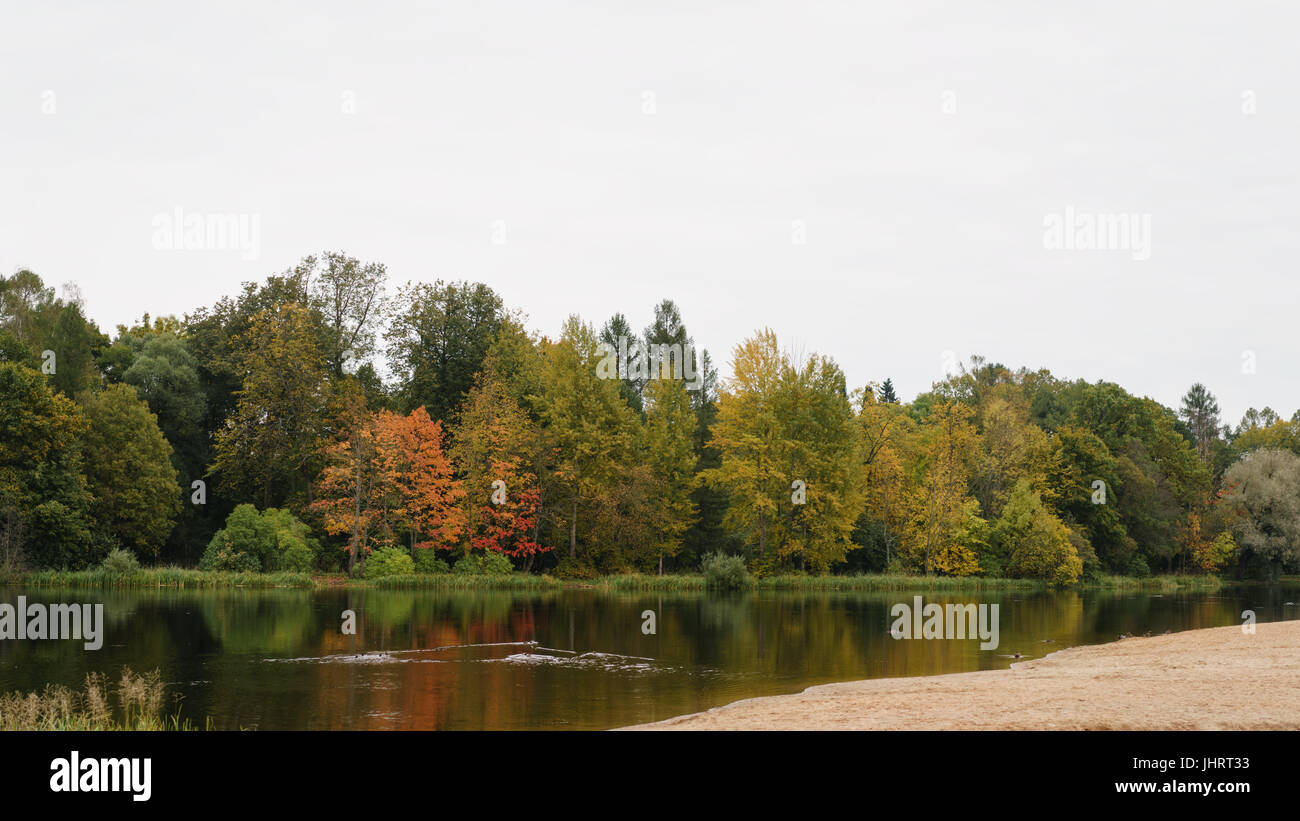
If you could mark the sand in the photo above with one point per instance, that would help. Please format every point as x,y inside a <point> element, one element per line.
<point>1215,679</point>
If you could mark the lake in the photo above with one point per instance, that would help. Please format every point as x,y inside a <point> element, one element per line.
<point>561,659</point>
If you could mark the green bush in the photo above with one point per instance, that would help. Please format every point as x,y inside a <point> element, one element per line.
<point>222,555</point>
<point>488,563</point>
<point>121,562</point>
<point>428,561</point>
<point>389,561</point>
<point>723,572</point>
<point>1137,567</point>
<point>296,556</point>
<point>575,569</point>
<point>270,541</point>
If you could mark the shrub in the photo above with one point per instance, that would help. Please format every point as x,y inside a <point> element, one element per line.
<point>223,555</point>
<point>270,541</point>
<point>389,561</point>
<point>296,554</point>
<point>575,569</point>
<point>1138,568</point>
<point>121,562</point>
<point>723,572</point>
<point>428,561</point>
<point>487,563</point>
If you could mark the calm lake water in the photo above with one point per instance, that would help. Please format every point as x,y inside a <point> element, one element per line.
<point>276,659</point>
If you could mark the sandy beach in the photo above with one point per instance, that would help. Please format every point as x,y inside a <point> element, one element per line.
<point>1215,679</point>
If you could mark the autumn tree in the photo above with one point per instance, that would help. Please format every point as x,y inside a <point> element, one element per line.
<point>267,446</point>
<point>669,452</point>
<point>944,527</point>
<point>748,434</point>
<point>886,431</point>
<point>1033,543</point>
<point>789,454</point>
<point>494,446</point>
<point>589,426</point>
<point>417,475</point>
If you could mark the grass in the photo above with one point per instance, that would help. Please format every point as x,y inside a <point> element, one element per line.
<point>176,577</point>
<point>139,700</point>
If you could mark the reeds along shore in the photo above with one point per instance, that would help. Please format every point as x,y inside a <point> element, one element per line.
<point>175,577</point>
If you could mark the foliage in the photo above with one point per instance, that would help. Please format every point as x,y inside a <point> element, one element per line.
<point>272,540</point>
<point>428,561</point>
<point>120,562</point>
<point>388,561</point>
<point>487,563</point>
<point>723,572</point>
<point>1265,495</point>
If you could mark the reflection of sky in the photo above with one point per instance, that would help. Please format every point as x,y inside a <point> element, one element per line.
<point>563,659</point>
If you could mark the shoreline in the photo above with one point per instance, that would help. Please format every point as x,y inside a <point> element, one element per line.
<point>189,578</point>
<point>1214,678</point>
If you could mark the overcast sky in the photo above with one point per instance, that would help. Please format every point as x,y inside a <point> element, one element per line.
<point>874,181</point>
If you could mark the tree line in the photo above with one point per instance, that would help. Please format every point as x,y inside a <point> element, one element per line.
<point>318,421</point>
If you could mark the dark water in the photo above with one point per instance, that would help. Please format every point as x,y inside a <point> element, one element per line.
<point>457,660</point>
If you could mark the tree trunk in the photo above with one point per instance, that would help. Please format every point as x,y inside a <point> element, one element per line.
<point>573,530</point>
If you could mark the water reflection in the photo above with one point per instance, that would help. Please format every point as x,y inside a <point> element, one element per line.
<point>559,659</point>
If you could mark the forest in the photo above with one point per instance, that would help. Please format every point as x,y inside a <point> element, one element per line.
<point>326,420</point>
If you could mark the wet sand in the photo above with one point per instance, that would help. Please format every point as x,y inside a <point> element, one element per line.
<point>1215,679</point>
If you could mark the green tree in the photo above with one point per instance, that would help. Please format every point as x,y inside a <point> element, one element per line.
<point>669,435</point>
<point>271,442</point>
<point>437,342</point>
<point>1200,411</point>
<point>43,491</point>
<point>348,296</point>
<point>129,470</point>
<point>75,342</point>
<point>1032,542</point>
<point>589,427</point>
<point>887,392</point>
<point>1264,492</point>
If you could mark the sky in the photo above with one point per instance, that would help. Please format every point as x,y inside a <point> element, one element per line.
<point>895,185</point>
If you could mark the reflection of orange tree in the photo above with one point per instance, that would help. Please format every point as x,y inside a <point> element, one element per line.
<point>430,695</point>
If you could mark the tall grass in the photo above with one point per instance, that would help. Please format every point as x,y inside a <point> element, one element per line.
<point>176,577</point>
<point>139,706</point>
<point>162,577</point>
<point>635,582</point>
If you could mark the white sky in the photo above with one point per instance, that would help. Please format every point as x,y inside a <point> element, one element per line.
<point>924,228</point>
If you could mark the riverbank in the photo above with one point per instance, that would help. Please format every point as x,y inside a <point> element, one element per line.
<point>183,578</point>
<point>1212,679</point>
